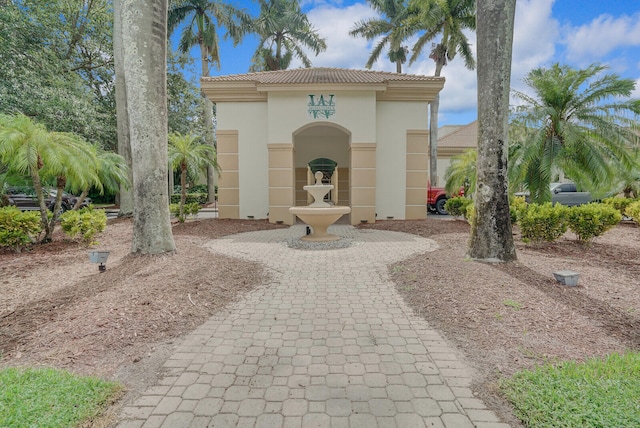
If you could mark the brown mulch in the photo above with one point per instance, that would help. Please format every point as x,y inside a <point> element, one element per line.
<point>56,309</point>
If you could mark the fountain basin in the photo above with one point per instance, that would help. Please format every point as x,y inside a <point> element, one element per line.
<point>320,219</point>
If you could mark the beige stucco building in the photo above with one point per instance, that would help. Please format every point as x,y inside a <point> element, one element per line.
<point>367,131</point>
<point>454,140</point>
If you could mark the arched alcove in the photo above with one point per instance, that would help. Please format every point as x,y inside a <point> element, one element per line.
<point>317,141</point>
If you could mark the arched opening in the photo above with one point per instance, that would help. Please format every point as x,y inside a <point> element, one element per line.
<point>323,147</point>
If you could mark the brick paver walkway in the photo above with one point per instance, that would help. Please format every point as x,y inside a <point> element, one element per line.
<point>328,342</point>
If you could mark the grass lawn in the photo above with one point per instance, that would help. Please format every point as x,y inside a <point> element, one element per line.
<point>596,393</point>
<point>52,398</point>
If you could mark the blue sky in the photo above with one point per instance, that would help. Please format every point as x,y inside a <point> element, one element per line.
<point>573,32</point>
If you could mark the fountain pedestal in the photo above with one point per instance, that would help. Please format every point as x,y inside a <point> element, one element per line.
<point>319,214</point>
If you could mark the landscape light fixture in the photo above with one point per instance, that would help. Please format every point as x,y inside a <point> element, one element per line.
<point>99,257</point>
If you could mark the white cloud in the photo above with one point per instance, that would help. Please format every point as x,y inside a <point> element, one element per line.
<point>636,92</point>
<point>594,41</point>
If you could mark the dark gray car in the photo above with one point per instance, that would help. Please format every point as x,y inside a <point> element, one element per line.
<point>26,200</point>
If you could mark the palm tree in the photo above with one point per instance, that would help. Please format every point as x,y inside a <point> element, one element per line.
<point>462,173</point>
<point>578,123</point>
<point>448,19</point>
<point>27,148</point>
<point>283,30</point>
<point>491,233</point>
<point>203,19</point>
<point>111,173</point>
<point>144,53</point>
<point>188,155</point>
<point>394,26</point>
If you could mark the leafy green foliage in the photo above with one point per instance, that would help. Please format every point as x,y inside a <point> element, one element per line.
<point>578,122</point>
<point>633,211</point>
<point>190,209</point>
<point>283,32</point>
<point>544,222</point>
<point>517,204</point>
<point>18,229</point>
<point>591,220</point>
<point>619,203</point>
<point>47,397</point>
<point>457,206</point>
<point>86,223</point>
<point>461,173</point>
<point>596,393</point>
<point>200,198</point>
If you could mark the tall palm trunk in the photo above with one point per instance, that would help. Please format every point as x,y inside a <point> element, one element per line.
<point>491,234</point>
<point>434,107</point>
<point>208,117</point>
<point>44,219</point>
<point>183,189</point>
<point>125,197</point>
<point>144,43</point>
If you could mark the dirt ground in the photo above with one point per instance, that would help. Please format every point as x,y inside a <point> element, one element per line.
<point>56,309</point>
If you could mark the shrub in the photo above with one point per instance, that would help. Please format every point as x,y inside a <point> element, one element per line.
<point>457,206</point>
<point>191,209</point>
<point>544,222</point>
<point>200,198</point>
<point>18,229</point>
<point>516,205</point>
<point>470,212</point>
<point>85,222</point>
<point>633,211</point>
<point>619,203</point>
<point>591,220</point>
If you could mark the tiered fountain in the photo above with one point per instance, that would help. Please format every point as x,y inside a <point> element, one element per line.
<point>319,214</point>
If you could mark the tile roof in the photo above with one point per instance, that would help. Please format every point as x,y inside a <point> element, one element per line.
<point>464,136</point>
<point>319,76</point>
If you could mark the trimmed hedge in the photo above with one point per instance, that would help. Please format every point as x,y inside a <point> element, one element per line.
<point>544,222</point>
<point>85,222</point>
<point>457,206</point>
<point>633,211</point>
<point>591,220</point>
<point>199,198</point>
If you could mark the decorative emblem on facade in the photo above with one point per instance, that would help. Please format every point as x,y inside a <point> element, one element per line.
<point>321,107</point>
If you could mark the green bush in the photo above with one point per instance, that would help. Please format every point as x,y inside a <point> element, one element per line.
<point>18,229</point>
<point>200,198</point>
<point>516,205</point>
<point>189,209</point>
<point>470,212</point>
<point>633,211</point>
<point>457,206</point>
<point>591,220</point>
<point>619,203</point>
<point>85,222</point>
<point>544,222</point>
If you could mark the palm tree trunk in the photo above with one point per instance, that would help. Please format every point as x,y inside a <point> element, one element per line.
<point>398,66</point>
<point>183,190</point>
<point>491,233</point>
<point>144,44</point>
<point>125,196</point>
<point>44,219</point>
<point>434,107</point>
<point>81,198</point>
<point>208,118</point>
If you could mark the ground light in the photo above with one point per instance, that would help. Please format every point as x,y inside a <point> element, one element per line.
<point>99,257</point>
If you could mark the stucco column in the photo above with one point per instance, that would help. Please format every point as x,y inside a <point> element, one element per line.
<point>229,182</point>
<point>282,192</point>
<point>417,175</point>
<point>363,182</point>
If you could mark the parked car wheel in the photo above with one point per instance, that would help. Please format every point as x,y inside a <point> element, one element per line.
<point>440,206</point>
